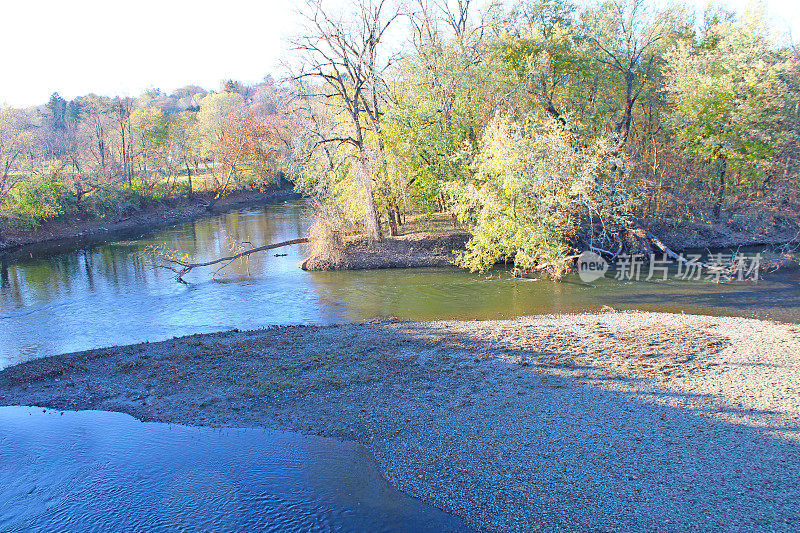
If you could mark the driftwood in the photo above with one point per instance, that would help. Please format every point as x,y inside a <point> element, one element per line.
<point>643,235</point>
<point>637,240</point>
<point>555,269</point>
<point>182,265</point>
<point>561,263</point>
<point>677,257</point>
<point>787,256</point>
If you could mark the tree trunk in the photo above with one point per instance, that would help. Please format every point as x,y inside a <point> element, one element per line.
<point>392,223</point>
<point>554,114</point>
<point>721,190</point>
<point>125,171</point>
<point>373,116</point>
<point>371,216</point>
<point>189,174</point>
<point>622,129</point>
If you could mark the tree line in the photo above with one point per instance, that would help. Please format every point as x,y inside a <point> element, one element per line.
<point>96,155</point>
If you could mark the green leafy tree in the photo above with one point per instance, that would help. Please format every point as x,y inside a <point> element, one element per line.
<point>215,110</point>
<point>727,95</point>
<point>56,112</point>
<point>546,53</point>
<point>624,36</point>
<point>435,121</point>
<point>150,127</point>
<point>42,196</point>
<point>441,98</point>
<point>533,186</point>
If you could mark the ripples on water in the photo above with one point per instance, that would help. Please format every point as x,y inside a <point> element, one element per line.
<point>97,471</point>
<point>107,294</point>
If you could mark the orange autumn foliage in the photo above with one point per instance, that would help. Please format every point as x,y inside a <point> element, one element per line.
<point>253,146</point>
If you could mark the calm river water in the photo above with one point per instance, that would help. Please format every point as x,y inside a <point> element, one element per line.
<point>97,471</point>
<point>107,294</point>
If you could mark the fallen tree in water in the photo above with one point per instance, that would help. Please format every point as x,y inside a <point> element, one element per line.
<point>182,264</point>
<point>785,257</point>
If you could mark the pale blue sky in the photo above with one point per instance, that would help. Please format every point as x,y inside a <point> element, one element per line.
<point>115,47</point>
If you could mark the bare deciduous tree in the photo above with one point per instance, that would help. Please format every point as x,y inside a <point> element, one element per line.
<point>344,58</point>
<point>13,144</point>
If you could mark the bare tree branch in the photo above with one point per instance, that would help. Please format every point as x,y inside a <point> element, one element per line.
<point>181,265</point>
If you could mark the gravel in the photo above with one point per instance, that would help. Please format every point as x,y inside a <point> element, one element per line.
<point>593,422</point>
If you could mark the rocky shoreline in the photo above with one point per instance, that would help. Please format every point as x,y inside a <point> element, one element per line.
<point>604,422</point>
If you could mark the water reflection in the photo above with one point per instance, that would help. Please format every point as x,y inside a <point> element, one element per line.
<point>428,294</point>
<point>107,294</point>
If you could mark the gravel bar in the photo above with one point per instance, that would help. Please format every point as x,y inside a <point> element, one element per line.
<point>616,421</point>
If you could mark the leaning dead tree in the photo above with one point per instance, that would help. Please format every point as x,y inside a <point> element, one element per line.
<point>182,264</point>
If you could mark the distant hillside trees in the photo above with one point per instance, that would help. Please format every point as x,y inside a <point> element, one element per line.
<point>96,154</point>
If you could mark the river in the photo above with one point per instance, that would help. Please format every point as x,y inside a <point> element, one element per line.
<point>100,471</point>
<point>106,471</point>
<point>105,294</point>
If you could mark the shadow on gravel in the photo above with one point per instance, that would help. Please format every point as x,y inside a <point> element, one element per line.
<point>563,447</point>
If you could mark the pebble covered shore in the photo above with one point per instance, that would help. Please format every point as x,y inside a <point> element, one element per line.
<point>593,422</point>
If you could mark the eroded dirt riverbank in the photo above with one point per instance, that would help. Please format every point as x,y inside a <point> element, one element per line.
<point>614,421</point>
<point>436,243</point>
<point>57,235</point>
